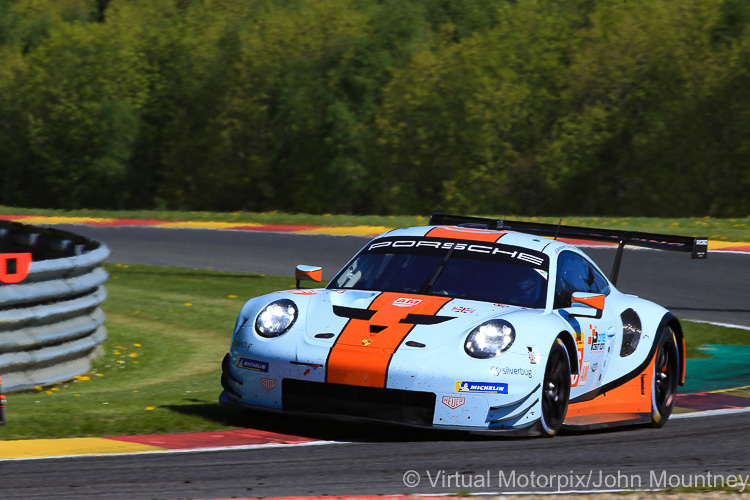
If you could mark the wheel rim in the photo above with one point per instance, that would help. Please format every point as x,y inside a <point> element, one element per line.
<point>554,397</point>
<point>665,375</point>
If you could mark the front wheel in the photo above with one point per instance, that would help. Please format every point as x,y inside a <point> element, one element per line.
<point>666,375</point>
<point>555,390</point>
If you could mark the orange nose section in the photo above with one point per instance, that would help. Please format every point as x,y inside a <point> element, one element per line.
<point>364,349</point>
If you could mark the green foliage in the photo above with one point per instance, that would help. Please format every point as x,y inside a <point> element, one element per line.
<point>73,117</point>
<point>377,106</point>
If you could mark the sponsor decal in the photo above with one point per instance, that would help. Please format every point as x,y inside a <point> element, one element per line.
<point>507,370</point>
<point>405,302</point>
<point>464,310</point>
<point>268,384</point>
<point>535,260</point>
<point>597,341</point>
<point>584,372</point>
<point>14,267</point>
<point>594,367</point>
<point>534,357</point>
<point>487,387</point>
<point>242,345</point>
<point>565,247</point>
<point>579,339</point>
<point>252,364</point>
<point>366,342</point>
<point>453,402</point>
<point>582,377</point>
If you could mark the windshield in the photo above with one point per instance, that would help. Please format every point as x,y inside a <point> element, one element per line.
<point>488,272</point>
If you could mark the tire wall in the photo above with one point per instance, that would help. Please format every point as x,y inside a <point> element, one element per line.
<point>51,323</point>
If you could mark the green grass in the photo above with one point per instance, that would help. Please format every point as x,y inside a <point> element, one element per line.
<point>698,334</point>
<point>160,368</point>
<point>161,364</point>
<point>716,229</point>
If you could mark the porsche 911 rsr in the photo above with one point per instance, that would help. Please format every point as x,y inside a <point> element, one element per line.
<point>468,323</point>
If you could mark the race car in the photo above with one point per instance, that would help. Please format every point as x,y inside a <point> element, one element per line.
<point>485,325</point>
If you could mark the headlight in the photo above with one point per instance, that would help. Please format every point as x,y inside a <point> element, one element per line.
<point>490,339</point>
<point>276,318</point>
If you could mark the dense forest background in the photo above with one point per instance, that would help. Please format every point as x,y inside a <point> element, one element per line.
<point>606,107</point>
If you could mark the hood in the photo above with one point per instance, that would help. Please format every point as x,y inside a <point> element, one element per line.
<point>362,330</point>
<point>386,319</point>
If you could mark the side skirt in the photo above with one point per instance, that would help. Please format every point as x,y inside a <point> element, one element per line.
<point>627,404</point>
<point>605,421</point>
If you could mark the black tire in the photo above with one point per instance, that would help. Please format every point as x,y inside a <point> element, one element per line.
<point>555,390</point>
<point>665,379</point>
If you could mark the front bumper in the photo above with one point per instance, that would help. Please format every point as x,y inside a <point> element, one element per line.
<point>296,394</point>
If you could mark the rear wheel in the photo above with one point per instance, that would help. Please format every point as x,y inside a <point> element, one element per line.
<point>555,390</point>
<point>666,375</point>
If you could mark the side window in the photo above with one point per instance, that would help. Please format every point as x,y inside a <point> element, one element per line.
<point>576,274</point>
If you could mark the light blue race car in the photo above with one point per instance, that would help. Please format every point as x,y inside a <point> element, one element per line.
<point>478,324</point>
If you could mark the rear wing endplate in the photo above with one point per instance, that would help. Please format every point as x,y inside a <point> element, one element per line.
<point>697,247</point>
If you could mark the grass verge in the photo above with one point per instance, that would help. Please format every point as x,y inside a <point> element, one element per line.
<point>168,330</point>
<point>717,229</point>
<point>699,334</point>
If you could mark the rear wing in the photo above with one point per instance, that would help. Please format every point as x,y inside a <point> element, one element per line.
<point>697,247</point>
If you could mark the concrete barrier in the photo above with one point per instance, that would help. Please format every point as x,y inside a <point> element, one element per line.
<point>51,323</point>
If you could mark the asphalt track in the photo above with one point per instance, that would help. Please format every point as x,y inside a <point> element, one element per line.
<point>375,460</point>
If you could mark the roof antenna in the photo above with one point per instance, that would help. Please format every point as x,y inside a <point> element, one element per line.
<point>558,228</point>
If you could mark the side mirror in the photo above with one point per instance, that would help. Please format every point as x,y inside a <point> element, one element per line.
<point>309,273</point>
<point>587,305</point>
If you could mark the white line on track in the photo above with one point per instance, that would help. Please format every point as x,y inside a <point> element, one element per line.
<point>710,413</point>
<point>725,325</point>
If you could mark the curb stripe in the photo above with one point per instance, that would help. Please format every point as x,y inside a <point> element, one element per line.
<point>197,440</point>
<point>43,448</point>
<point>169,452</point>
<point>716,246</point>
<point>236,226</point>
<point>151,443</point>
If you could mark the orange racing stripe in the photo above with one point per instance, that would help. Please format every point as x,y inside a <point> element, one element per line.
<point>364,349</point>
<point>465,233</point>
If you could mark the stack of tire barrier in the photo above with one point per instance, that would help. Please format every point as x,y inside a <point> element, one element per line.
<point>51,325</point>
